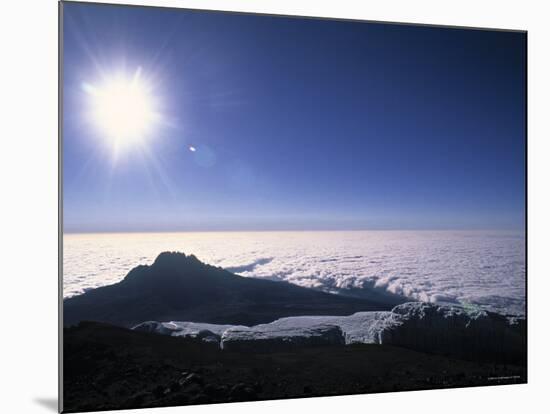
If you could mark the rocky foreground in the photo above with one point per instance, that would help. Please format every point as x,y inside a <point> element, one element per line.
<point>449,330</point>
<point>108,367</point>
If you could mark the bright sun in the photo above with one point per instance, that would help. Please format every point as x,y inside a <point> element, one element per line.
<point>123,109</point>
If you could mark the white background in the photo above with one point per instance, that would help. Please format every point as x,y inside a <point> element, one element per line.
<point>28,194</point>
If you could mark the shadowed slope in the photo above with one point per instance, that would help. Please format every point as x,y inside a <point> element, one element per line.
<point>180,287</point>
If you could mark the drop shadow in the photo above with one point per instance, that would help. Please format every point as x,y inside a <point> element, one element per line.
<point>49,403</point>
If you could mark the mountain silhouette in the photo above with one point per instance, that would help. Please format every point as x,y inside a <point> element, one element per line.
<point>181,287</point>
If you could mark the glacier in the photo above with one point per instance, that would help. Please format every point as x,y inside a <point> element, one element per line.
<point>444,329</point>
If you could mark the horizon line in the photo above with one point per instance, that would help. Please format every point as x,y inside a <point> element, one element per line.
<point>72,232</point>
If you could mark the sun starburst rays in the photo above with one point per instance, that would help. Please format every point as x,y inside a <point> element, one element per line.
<point>123,110</point>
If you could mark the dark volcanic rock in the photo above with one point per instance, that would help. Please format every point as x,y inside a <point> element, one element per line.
<point>241,392</point>
<point>92,382</point>
<point>180,287</point>
<point>193,379</point>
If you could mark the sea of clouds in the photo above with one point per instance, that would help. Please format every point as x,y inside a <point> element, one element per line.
<point>473,268</point>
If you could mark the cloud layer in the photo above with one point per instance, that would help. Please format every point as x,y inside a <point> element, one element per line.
<point>475,268</point>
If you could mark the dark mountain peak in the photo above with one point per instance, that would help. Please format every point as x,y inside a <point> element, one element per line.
<point>171,268</point>
<point>181,287</point>
<point>177,260</point>
<point>170,257</point>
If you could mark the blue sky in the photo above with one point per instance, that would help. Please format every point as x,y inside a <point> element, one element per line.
<point>297,124</point>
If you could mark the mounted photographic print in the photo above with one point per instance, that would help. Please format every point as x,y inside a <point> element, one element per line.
<point>259,207</point>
